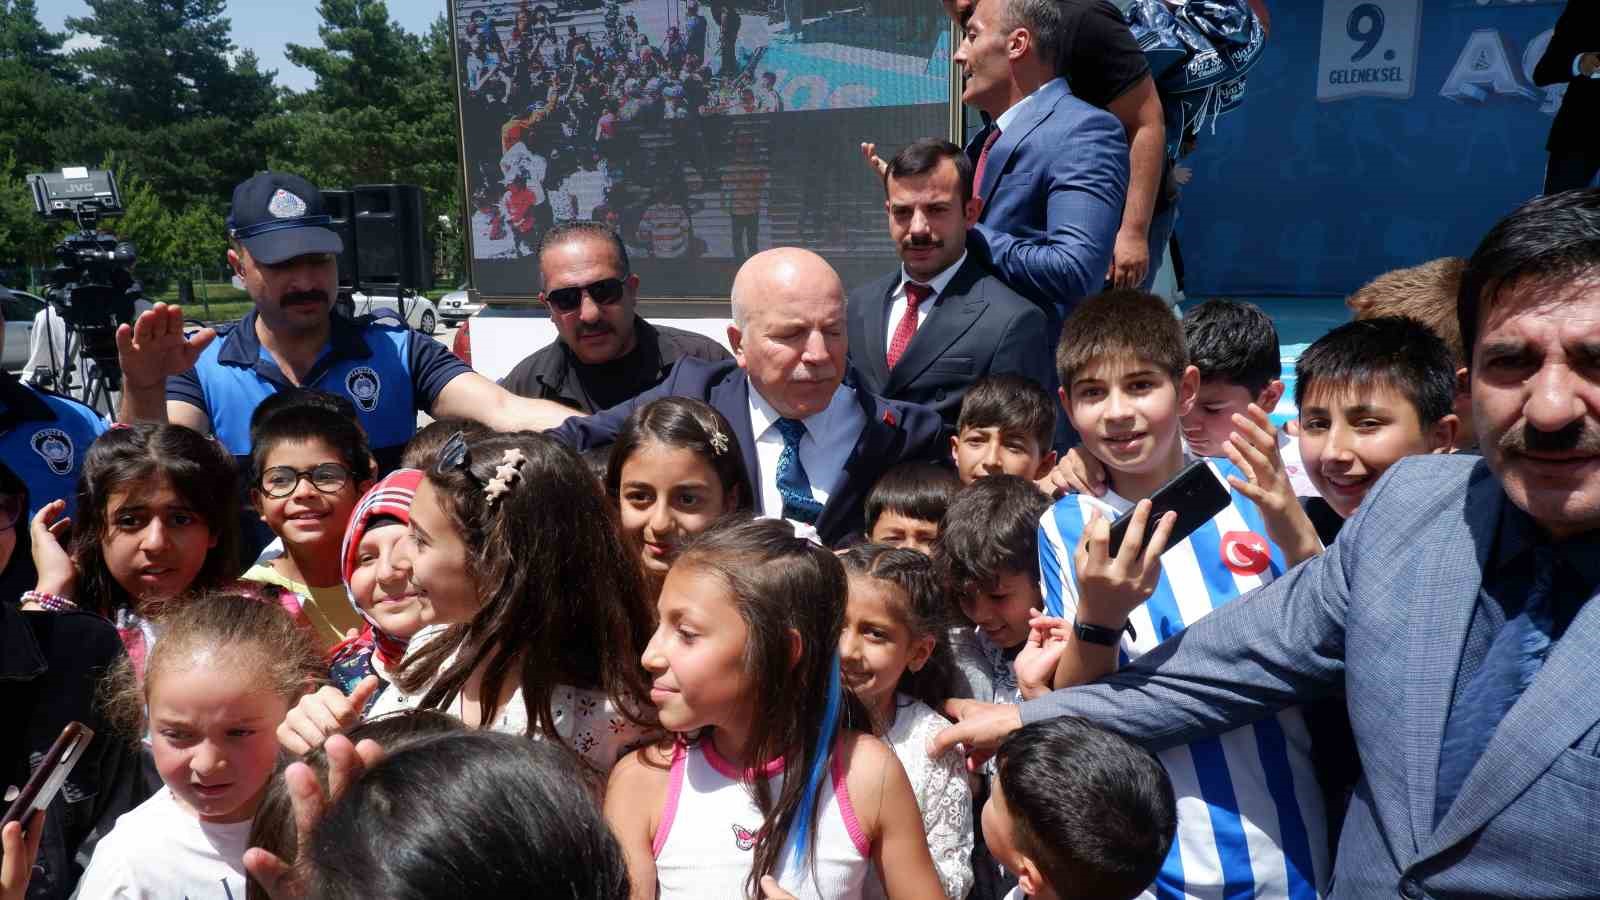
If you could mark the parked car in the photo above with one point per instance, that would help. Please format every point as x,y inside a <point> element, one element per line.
<point>458,305</point>
<point>19,309</point>
<point>419,311</point>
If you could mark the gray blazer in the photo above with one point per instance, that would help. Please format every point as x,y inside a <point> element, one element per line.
<point>1384,615</point>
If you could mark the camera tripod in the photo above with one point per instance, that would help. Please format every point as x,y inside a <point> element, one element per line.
<point>72,373</point>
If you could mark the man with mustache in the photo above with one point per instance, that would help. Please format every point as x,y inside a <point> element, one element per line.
<point>281,247</point>
<point>605,353</point>
<point>924,334</point>
<point>812,445</point>
<point>1454,616</point>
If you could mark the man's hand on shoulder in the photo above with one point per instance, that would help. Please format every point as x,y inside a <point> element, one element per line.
<point>979,728</point>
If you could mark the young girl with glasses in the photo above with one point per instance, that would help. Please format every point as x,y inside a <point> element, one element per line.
<point>310,464</point>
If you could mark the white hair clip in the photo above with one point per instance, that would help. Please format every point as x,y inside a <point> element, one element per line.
<point>719,442</point>
<point>505,475</point>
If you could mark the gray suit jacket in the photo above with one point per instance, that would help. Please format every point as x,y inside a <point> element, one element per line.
<point>1384,615</point>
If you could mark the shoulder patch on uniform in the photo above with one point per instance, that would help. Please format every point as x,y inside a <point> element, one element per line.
<point>55,447</point>
<point>363,386</point>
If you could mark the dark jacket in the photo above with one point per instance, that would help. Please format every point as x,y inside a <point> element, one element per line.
<point>893,433</point>
<point>50,667</point>
<point>551,374</point>
<point>1577,31</point>
<point>978,327</point>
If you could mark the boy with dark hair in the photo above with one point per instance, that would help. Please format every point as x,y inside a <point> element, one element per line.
<point>1006,426</point>
<point>310,464</point>
<point>1126,382</point>
<point>1078,812</point>
<point>988,551</point>
<point>1371,392</point>
<point>906,505</point>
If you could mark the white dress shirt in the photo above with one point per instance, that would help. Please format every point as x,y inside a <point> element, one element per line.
<point>830,436</point>
<point>1004,120</point>
<point>897,300</point>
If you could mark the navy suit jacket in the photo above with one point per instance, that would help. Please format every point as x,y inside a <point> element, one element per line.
<point>1383,616</point>
<point>978,327</point>
<point>893,433</point>
<point>1053,190</point>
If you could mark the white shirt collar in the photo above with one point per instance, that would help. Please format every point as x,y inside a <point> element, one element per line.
<point>764,418</point>
<point>1004,120</point>
<point>937,282</point>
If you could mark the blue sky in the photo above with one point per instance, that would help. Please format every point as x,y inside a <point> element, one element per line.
<point>265,26</point>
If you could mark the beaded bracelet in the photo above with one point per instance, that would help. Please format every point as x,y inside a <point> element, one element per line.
<point>52,602</point>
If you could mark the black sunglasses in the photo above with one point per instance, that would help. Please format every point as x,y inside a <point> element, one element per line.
<point>280,481</point>
<point>604,292</point>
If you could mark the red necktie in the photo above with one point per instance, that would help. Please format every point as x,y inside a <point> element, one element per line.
<point>983,161</point>
<point>907,327</point>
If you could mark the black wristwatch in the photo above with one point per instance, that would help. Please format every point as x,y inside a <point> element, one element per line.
<point>1099,634</point>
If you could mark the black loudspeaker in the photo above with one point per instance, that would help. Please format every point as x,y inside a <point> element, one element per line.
<point>341,207</point>
<point>392,236</point>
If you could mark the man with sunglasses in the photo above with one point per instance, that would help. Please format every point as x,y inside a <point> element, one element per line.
<point>282,248</point>
<point>605,353</point>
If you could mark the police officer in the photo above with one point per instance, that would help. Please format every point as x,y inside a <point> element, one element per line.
<point>286,255</point>
<point>43,438</point>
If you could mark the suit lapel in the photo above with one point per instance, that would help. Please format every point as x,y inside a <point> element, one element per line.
<point>949,319</point>
<point>877,318</point>
<point>1559,707</point>
<point>1037,110</point>
<point>866,462</point>
<point>1441,607</point>
<point>731,397</point>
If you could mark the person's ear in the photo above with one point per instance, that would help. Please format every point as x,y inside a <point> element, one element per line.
<point>1030,879</point>
<point>1047,463</point>
<point>1188,390</point>
<point>1268,401</point>
<point>1442,435</point>
<point>955,443</point>
<point>1017,43</point>
<point>797,647</point>
<point>736,341</point>
<point>973,209</point>
<point>1464,382</point>
<point>921,650</point>
<point>630,286</point>
<point>235,262</point>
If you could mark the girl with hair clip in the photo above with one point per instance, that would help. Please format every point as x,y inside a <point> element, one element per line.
<point>158,517</point>
<point>674,469</point>
<point>763,785</point>
<point>225,672</point>
<point>534,606</point>
<point>896,660</point>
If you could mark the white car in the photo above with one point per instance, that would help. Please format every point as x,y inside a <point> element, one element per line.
<point>19,309</point>
<point>419,312</point>
<point>458,305</point>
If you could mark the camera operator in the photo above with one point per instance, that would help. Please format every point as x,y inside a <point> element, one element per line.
<point>43,437</point>
<point>284,252</point>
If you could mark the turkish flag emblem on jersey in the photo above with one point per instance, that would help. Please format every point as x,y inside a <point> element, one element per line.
<point>1245,553</point>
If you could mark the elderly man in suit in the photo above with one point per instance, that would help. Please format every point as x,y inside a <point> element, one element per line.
<point>925,333</point>
<point>812,445</point>
<point>1051,170</point>
<point>1454,612</point>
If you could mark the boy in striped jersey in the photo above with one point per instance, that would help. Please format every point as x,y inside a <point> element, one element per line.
<point>1250,814</point>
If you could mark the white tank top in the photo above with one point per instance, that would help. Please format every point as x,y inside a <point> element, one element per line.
<point>703,846</point>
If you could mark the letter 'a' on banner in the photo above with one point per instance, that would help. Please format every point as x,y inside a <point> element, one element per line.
<point>1369,49</point>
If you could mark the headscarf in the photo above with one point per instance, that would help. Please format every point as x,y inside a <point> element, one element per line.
<point>391,497</point>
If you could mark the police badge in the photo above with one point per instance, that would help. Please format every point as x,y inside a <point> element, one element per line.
<point>363,386</point>
<point>54,446</point>
<point>285,205</point>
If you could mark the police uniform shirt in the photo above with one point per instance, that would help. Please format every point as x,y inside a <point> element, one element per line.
<point>43,439</point>
<point>387,370</point>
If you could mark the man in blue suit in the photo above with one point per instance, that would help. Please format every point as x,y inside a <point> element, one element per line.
<point>1455,613</point>
<point>813,447</point>
<point>927,331</point>
<point>1051,170</point>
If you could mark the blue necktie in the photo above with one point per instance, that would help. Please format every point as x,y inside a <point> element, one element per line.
<point>1515,656</point>
<point>793,485</point>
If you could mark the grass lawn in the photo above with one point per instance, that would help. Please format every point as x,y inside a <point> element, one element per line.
<point>227,303</point>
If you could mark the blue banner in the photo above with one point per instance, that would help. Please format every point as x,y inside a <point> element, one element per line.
<point>1374,134</point>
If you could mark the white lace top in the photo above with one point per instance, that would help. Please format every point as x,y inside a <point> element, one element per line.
<point>585,719</point>
<point>943,795</point>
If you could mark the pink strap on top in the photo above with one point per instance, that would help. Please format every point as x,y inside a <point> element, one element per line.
<point>669,811</point>
<point>841,791</point>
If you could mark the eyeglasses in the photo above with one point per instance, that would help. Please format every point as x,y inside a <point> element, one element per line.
<point>604,292</point>
<point>280,481</point>
<point>10,510</point>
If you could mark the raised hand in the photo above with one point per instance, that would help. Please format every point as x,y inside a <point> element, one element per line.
<point>1110,587</point>
<point>1076,473</point>
<point>869,151</point>
<point>154,347</point>
<point>1253,448</point>
<point>320,715</point>
<point>346,764</point>
<point>56,572</point>
<point>1036,663</point>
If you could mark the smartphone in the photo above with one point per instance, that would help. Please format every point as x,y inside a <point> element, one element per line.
<point>51,773</point>
<point>1196,494</point>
